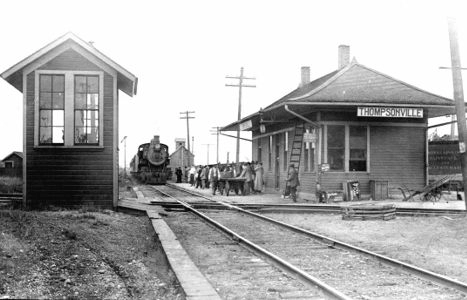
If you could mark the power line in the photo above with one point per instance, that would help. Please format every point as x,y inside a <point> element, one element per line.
<point>240,85</point>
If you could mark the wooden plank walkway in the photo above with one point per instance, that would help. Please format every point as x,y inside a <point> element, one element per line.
<point>192,281</point>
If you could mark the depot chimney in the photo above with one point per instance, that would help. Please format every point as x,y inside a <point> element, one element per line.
<point>305,72</point>
<point>343,56</point>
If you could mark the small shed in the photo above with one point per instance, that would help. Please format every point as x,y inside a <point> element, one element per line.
<point>12,165</point>
<point>354,124</point>
<point>70,123</point>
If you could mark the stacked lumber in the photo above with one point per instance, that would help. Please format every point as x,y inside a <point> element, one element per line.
<point>369,212</point>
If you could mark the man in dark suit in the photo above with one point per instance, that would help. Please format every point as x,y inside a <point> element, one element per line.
<point>293,182</point>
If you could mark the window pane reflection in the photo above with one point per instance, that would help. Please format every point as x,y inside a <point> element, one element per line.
<point>336,147</point>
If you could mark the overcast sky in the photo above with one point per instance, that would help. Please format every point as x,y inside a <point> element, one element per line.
<point>181,52</point>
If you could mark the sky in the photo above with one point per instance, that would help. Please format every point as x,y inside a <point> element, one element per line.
<point>181,52</point>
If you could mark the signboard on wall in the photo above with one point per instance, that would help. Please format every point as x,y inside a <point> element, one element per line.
<point>309,137</point>
<point>444,158</point>
<point>390,112</point>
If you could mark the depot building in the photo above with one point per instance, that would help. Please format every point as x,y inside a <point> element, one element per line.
<point>352,124</point>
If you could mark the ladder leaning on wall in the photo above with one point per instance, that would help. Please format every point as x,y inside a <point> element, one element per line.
<point>297,145</point>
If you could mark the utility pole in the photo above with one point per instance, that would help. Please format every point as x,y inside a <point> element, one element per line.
<point>207,161</point>
<point>124,155</point>
<point>240,85</point>
<point>216,132</point>
<point>459,99</point>
<point>187,117</point>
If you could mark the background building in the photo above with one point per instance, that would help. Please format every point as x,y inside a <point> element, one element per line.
<point>12,165</point>
<point>181,157</point>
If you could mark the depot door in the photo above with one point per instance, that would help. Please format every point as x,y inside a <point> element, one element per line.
<point>277,168</point>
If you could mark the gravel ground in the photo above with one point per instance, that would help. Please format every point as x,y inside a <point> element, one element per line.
<point>235,272</point>
<point>353,274</point>
<point>81,255</point>
<point>434,243</point>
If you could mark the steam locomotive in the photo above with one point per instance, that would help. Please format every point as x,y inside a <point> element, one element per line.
<point>149,165</point>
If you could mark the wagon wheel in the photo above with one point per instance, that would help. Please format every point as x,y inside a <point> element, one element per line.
<point>437,194</point>
<point>432,196</point>
<point>428,197</point>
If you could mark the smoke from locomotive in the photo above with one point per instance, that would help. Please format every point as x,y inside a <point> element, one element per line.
<point>150,162</point>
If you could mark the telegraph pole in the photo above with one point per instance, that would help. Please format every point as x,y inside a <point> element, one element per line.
<point>459,99</point>
<point>240,85</point>
<point>216,132</point>
<point>207,161</point>
<point>187,117</point>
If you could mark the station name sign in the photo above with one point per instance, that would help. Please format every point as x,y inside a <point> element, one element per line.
<point>390,112</point>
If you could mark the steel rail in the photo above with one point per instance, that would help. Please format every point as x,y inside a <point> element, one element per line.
<point>426,274</point>
<point>297,208</point>
<point>284,265</point>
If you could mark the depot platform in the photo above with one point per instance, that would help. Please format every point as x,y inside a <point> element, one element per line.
<point>446,202</point>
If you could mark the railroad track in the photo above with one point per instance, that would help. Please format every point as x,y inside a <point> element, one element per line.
<point>349,272</point>
<point>297,208</point>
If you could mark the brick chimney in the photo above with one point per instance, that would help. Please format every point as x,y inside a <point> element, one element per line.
<point>343,56</point>
<point>305,74</point>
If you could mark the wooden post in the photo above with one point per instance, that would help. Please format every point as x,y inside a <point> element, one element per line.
<point>217,133</point>
<point>124,156</point>
<point>459,99</point>
<point>187,117</point>
<point>240,85</point>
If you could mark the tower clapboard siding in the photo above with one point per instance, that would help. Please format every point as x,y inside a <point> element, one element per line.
<point>69,173</point>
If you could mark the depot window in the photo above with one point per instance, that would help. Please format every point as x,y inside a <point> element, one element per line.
<point>68,109</point>
<point>346,148</point>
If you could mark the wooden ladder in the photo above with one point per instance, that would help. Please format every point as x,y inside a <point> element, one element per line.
<point>296,152</point>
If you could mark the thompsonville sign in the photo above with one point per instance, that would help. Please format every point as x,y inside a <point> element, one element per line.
<point>390,112</point>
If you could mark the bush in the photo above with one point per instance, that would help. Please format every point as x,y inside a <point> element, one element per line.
<point>11,185</point>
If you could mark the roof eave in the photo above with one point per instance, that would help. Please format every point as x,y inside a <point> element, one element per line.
<point>124,75</point>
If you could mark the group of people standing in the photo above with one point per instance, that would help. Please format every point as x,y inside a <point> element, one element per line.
<point>254,177</point>
<point>253,172</point>
<point>208,176</point>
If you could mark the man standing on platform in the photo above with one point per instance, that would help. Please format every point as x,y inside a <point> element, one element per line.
<point>293,182</point>
<point>178,173</point>
<point>214,175</point>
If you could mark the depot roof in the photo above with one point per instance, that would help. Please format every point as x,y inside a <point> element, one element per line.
<point>354,85</point>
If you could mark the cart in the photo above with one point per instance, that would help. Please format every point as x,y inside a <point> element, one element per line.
<point>227,184</point>
<point>431,192</point>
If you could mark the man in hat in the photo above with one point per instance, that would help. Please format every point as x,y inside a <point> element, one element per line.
<point>293,182</point>
<point>214,175</point>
